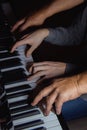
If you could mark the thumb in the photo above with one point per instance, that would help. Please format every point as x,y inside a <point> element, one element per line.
<point>15,27</point>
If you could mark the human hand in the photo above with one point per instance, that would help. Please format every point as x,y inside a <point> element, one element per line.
<point>46,69</point>
<point>60,91</point>
<point>34,40</point>
<point>33,20</point>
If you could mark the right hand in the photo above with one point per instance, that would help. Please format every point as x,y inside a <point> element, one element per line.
<point>34,40</point>
<point>33,20</point>
<point>60,91</point>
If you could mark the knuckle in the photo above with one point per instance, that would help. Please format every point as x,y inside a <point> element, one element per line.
<point>63,97</point>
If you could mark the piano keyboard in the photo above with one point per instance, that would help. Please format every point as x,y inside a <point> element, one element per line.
<point>22,115</point>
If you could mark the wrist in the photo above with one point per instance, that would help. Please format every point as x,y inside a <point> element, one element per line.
<point>82,83</point>
<point>44,32</point>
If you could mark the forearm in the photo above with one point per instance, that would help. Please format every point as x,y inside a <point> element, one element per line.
<point>65,36</point>
<point>72,35</point>
<point>57,6</point>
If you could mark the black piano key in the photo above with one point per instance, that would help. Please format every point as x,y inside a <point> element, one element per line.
<point>4,31</point>
<point>18,89</point>
<point>8,55</point>
<point>6,42</point>
<point>26,114</point>
<point>40,128</point>
<point>21,109</point>
<point>18,104</point>
<point>29,124</point>
<point>3,49</point>
<point>17,94</point>
<point>10,63</point>
<point>14,76</point>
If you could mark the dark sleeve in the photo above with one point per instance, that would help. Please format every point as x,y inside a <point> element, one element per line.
<point>70,68</point>
<point>72,35</point>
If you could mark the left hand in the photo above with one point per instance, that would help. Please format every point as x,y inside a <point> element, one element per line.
<point>60,91</point>
<point>47,69</point>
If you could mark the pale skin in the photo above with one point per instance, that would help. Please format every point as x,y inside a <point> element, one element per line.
<point>34,40</point>
<point>62,90</point>
<point>40,16</point>
<point>47,69</point>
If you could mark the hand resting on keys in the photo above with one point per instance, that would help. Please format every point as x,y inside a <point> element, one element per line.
<point>61,91</point>
<point>46,70</point>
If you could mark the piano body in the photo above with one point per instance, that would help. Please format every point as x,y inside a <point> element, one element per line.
<point>15,89</point>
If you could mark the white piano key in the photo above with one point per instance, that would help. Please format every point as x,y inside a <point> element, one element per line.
<point>48,125</point>
<point>51,117</point>
<point>3,51</point>
<point>23,90</point>
<point>55,128</point>
<point>9,58</point>
<point>18,104</point>
<point>17,99</point>
<point>23,111</point>
<point>16,84</point>
<point>11,68</point>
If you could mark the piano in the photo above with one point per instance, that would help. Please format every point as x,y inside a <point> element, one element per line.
<point>15,89</point>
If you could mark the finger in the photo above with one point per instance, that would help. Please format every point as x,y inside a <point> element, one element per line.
<point>30,51</point>
<point>40,68</point>
<point>36,67</point>
<point>58,104</point>
<point>50,101</point>
<point>42,105</point>
<point>17,25</point>
<point>19,43</point>
<point>25,26</point>
<point>42,94</point>
<point>24,36</point>
<point>41,63</point>
<point>41,80</point>
<point>36,75</point>
<point>31,69</point>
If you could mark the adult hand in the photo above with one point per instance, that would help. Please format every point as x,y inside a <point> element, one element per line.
<point>60,91</point>
<point>47,69</point>
<point>33,20</point>
<point>34,40</point>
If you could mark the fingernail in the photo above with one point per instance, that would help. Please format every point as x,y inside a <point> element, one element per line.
<point>32,104</point>
<point>45,113</point>
<point>58,112</point>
